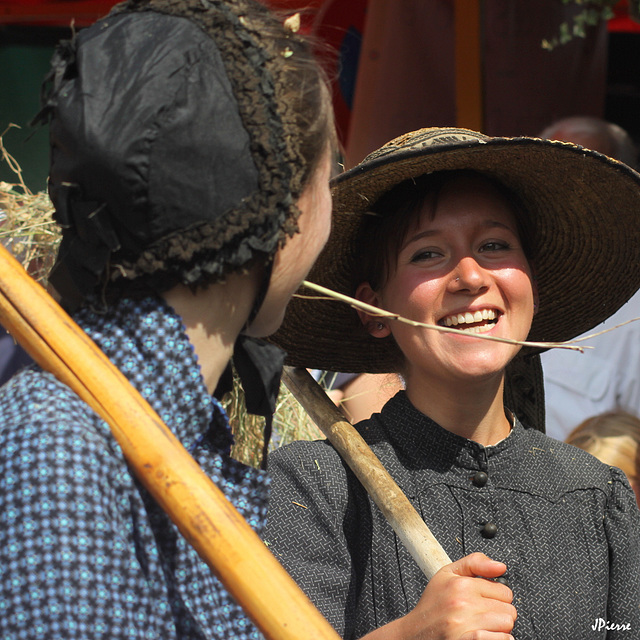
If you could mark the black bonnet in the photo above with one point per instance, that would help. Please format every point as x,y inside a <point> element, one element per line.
<point>171,160</point>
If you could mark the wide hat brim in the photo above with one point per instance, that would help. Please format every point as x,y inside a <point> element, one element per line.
<point>583,209</point>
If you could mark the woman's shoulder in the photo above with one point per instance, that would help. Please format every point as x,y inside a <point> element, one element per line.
<point>39,413</point>
<point>565,467</point>
<point>306,456</point>
<point>36,395</point>
<point>314,467</point>
<point>53,441</point>
<point>301,451</point>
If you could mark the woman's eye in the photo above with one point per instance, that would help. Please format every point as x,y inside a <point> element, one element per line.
<point>426,254</point>
<point>495,245</point>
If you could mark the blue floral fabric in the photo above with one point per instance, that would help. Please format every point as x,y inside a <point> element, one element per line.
<point>85,552</point>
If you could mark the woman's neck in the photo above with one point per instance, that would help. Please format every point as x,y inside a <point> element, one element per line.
<point>214,317</point>
<point>472,409</point>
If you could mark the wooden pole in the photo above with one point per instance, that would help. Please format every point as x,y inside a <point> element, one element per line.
<point>468,64</point>
<point>200,510</point>
<point>399,512</point>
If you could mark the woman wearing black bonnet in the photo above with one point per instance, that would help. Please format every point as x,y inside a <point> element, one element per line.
<point>190,157</point>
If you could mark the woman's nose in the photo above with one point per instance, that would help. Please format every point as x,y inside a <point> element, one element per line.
<point>469,276</point>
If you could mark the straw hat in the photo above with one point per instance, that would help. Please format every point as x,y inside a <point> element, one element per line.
<point>583,209</point>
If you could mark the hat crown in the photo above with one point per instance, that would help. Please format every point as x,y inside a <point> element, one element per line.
<point>423,138</point>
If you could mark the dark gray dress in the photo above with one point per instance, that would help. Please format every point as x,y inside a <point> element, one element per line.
<point>566,525</point>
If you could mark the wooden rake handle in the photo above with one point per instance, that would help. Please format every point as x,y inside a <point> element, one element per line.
<point>200,510</point>
<point>395,506</point>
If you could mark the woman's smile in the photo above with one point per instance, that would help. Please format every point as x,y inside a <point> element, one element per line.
<point>462,265</point>
<point>472,321</point>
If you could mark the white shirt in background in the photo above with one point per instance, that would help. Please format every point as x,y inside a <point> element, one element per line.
<point>606,378</point>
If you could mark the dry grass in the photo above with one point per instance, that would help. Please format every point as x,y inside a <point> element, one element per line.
<point>290,422</point>
<point>28,230</point>
<point>26,224</point>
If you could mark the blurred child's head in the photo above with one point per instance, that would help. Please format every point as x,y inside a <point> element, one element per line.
<point>613,438</point>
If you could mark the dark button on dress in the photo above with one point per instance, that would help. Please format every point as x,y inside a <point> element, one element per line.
<point>480,479</point>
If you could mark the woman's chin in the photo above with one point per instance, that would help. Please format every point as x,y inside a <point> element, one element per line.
<point>263,326</point>
<point>485,363</point>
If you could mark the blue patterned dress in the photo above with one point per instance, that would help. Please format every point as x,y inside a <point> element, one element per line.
<point>84,551</point>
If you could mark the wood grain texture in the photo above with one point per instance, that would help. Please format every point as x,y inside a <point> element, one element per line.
<point>384,491</point>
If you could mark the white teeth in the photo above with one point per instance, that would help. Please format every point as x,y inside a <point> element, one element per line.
<point>469,318</point>
<point>482,329</point>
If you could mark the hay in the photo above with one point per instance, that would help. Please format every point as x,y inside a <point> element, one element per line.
<point>290,422</point>
<point>27,228</point>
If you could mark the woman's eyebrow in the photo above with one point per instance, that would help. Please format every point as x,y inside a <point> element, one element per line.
<point>486,224</point>
<point>490,224</point>
<point>419,236</point>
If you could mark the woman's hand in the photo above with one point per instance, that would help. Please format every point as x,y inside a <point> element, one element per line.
<point>458,605</point>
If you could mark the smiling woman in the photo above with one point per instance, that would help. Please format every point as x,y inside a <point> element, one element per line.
<point>509,238</point>
<point>460,263</point>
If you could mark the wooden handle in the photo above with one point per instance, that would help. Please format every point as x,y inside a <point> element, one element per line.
<point>399,512</point>
<point>200,510</point>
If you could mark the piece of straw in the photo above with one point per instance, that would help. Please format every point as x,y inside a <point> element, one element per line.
<point>329,294</point>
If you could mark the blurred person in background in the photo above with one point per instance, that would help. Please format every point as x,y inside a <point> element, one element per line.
<point>613,438</point>
<point>607,377</point>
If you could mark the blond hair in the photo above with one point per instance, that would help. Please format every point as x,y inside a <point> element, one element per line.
<point>613,438</point>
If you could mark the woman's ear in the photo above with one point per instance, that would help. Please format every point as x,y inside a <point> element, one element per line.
<point>374,325</point>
